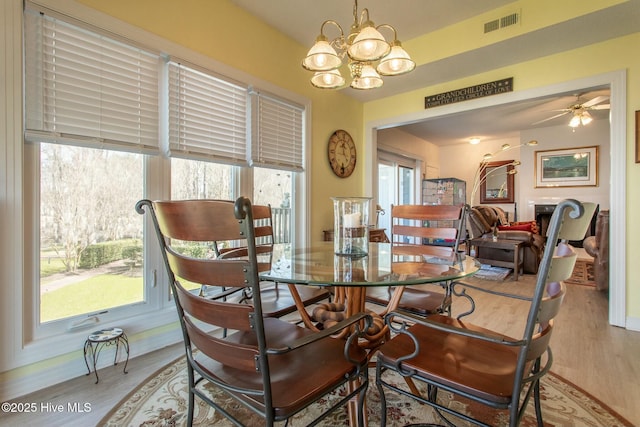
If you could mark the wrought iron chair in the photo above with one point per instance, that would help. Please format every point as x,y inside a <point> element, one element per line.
<point>272,367</point>
<point>430,231</point>
<point>278,299</point>
<point>480,364</point>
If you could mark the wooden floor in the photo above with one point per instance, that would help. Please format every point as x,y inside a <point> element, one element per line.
<point>601,359</point>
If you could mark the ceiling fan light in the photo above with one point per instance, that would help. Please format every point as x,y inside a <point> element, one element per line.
<point>585,118</point>
<point>321,57</point>
<point>396,62</point>
<point>575,121</point>
<point>368,79</point>
<point>369,45</point>
<point>327,79</point>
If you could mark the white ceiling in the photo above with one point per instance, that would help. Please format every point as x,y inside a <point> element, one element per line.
<point>505,120</point>
<point>301,20</point>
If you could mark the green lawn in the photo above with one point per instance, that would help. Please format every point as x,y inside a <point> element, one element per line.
<point>51,265</point>
<point>91,295</point>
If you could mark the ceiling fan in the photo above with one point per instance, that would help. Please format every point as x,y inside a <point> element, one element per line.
<point>580,111</point>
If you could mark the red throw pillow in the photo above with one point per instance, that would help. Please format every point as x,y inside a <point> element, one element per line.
<point>519,227</point>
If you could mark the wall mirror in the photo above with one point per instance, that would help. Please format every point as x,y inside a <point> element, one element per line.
<point>496,182</point>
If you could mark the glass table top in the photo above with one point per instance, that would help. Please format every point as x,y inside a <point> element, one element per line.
<point>319,265</point>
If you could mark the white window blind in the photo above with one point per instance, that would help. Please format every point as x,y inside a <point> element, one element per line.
<point>207,116</point>
<point>88,89</point>
<point>277,133</point>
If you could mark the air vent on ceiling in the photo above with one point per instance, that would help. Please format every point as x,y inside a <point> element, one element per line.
<point>508,20</point>
<point>491,26</point>
<point>505,21</point>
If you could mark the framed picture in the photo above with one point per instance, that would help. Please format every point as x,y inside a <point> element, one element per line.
<point>570,167</point>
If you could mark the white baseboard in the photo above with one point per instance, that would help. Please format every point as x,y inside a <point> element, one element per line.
<point>633,324</point>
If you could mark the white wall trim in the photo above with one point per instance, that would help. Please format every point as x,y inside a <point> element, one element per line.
<point>616,80</point>
<point>633,323</point>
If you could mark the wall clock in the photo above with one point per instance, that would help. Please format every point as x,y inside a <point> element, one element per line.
<point>342,153</point>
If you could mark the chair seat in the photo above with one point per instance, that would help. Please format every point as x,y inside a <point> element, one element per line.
<point>421,301</point>
<point>277,300</point>
<point>479,368</point>
<point>294,384</point>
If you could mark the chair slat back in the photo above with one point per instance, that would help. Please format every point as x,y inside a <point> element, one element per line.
<point>193,220</point>
<point>427,229</point>
<point>263,231</point>
<point>188,221</point>
<point>575,229</point>
<point>562,263</point>
<point>569,221</point>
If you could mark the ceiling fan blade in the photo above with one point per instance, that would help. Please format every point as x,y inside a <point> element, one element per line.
<point>549,118</point>
<point>600,107</point>
<point>594,101</point>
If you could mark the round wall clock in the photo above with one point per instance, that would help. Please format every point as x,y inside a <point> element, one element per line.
<point>342,153</point>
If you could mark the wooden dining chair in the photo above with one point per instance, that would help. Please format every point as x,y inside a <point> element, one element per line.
<point>477,363</point>
<point>278,299</point>
<point>273,368</point>
<point>432,233</point>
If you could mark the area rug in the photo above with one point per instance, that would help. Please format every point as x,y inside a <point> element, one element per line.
<point>582,274</point>
<point>488,272</point>
<point>161,401</point>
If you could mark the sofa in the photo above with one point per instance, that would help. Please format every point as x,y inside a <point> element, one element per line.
<point>482,220</point>
<point>598,247</point>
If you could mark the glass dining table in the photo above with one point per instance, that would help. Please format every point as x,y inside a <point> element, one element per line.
<point>350,277</point>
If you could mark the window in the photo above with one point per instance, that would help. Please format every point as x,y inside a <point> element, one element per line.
<point>193,179</point>
<point>90,237</point>
<point>97,141</point>
<point>275,187</point>
<point>396,184</point>
<point>91,109</point>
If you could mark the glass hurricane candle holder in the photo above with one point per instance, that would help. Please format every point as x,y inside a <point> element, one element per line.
<point>351,225</point>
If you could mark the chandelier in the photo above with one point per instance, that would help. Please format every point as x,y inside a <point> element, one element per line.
<point>369,55</point>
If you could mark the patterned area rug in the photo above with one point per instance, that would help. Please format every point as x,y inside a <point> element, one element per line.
<point>582,274</point>
<point>162,401</point>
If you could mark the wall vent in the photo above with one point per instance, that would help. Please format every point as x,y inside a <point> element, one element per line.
<point>491,26</point>
<point>508,20</point>
<point>503,22</point>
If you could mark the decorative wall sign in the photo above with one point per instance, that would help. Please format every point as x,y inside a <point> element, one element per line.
<point>571,167</point>
<point>468,93</point>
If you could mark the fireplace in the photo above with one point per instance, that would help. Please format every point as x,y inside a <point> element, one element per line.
<point>543,218</point>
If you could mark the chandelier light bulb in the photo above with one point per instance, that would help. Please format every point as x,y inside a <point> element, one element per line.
<point>327,79</point>
<point>368,79</point>
<point>322,56</point>
<point>369,45</point>
<point>396,62</point>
